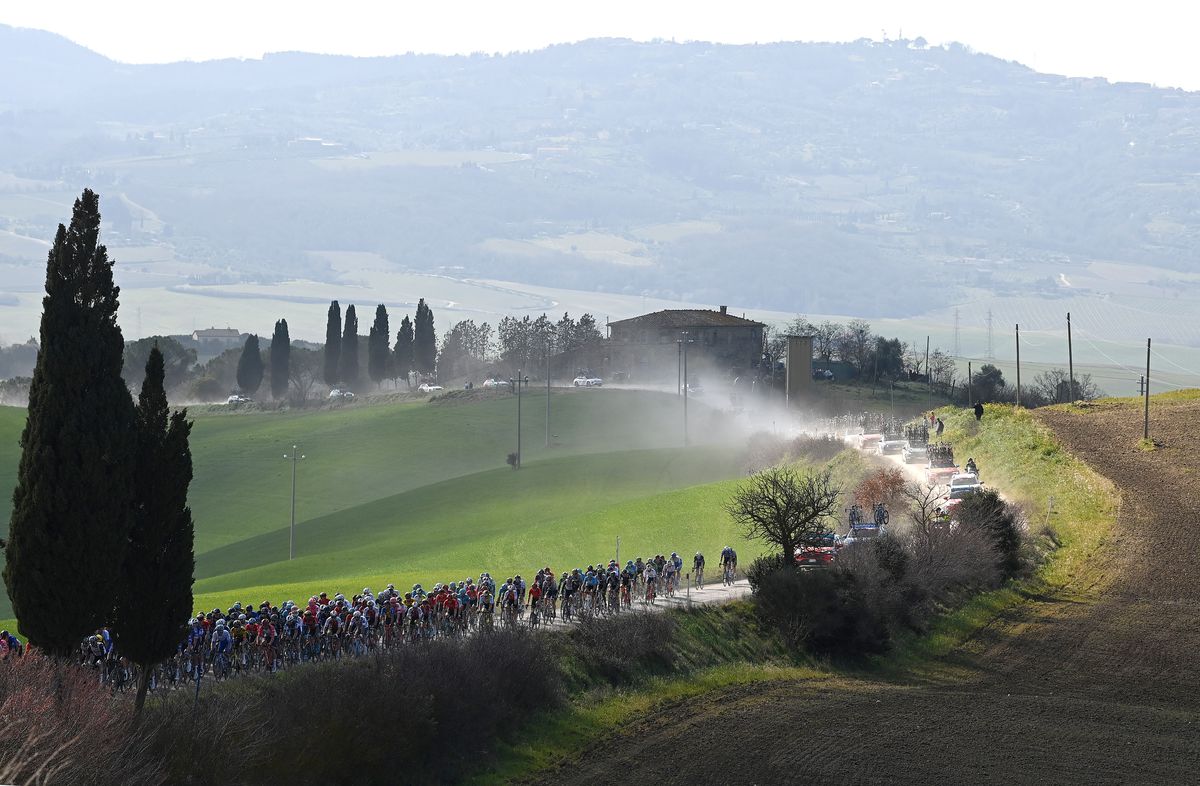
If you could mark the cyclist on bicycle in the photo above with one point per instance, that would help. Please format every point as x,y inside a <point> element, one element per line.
<point>651,574</point>
<point>698,568</point>
<point>669,572</point>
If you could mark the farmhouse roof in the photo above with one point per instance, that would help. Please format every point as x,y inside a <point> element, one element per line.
<point>687,317</point>
<point>217,333</point>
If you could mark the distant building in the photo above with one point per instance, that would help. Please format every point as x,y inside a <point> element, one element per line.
<point>719,344</point>
<point>217,337</point>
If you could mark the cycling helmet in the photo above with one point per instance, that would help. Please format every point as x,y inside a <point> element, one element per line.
<point>673,554</point>
<point>391,586</point>
<point>339,596</point>
<point>366,591</point>
<point>241,618</point>
<point>697,554</point>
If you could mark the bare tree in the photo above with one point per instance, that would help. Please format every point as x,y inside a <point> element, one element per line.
<point>945,558</point>
<point>785,508</point>
<point>304,369</point>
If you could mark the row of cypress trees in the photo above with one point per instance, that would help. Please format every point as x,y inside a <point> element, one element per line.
<point>415,349</point>
<point>101,533</point>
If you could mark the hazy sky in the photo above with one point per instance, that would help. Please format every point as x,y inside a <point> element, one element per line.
<point>1147,41</point>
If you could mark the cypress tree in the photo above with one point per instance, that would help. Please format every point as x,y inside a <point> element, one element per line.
<point>403,353</point>
<point>377,346</point>
<point>424,340</point>
<point>72,507</point>
<point>348,365</point>
<point>250,367</point>
<point>281,355</point>
<point>156,575</point>
<point>333,344</point>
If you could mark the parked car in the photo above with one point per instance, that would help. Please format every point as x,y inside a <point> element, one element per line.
<point>587,382</point>
<point>426,387</point>
<point>493,383</point>
<point>238,399</point>
<point>338,393</point>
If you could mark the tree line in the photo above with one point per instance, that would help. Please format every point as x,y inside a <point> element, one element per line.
<point>873,358</point>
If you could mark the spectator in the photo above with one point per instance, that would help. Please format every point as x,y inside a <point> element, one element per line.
<point>978,410</point>
<point>940,426</point>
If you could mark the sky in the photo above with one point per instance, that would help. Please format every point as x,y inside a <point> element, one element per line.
<point>1150,41</point>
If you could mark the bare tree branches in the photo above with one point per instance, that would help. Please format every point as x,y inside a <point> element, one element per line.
<point>784,507</point>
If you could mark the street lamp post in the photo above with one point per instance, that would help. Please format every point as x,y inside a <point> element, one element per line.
<point>292,531</point>
<point>683,342</point>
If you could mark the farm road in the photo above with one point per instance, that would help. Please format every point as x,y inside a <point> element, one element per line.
<point>1101,685</point>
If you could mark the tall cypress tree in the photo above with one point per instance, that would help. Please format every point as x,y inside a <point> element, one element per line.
<point>333,344</point>
<point>378,353</point>
<point>424,340</point>
<point>281,355</point>
<point>156,575</point>
<point>348,365</point>
<point>403,354</point>
<point>72,507</point>
<point>250,367</point>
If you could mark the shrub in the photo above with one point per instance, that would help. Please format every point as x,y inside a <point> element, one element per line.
<point>986,512</point>
<point>59,725</point>
<point>884,485</point>
<point>824,611</point>
<point>764,566</point>
<point>399,716</point>
<point>617,649</point>
<point>816,449</point>
<point>763,450</point>
<point>881,569</point>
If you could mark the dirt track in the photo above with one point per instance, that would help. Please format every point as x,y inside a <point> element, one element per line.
<point>1103,687</point>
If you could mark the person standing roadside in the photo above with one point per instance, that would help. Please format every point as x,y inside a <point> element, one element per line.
<point>978,411</point>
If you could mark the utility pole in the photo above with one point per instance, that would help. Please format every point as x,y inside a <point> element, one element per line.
<point>928,374</point>
<point>292,530</point>
<point>679,368</point>
<point>547,392</point>
<point>1141,384</point>
<point>970,395</point>
<point>1018,366</point>
<point>519,382</point>
<point>1070,359</point>
<point>990,355</point>
<point>685,393</point>
<point>956,352</point>
<point>1146,418</point>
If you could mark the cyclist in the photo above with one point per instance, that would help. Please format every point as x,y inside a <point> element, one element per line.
<point>651,575</point>
<point>266,641</point>
<point>669,574</point>
<point>698,569</point>
<point>222,647</point>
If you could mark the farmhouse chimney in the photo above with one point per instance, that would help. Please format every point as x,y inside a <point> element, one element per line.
<point>724,309</point>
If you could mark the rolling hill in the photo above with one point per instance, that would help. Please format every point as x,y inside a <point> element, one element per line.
<point>421,489</point>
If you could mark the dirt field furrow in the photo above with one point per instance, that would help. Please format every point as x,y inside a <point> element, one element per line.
<point>1102,687</point>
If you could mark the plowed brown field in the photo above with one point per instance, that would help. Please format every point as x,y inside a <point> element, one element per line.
<point>1096,686</point>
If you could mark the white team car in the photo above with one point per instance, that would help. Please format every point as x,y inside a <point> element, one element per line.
<point>238,399</point>
<point>493,383</point>
<point>962,485</point>
<point>889,445</point>
<point>426,387</point>
<point>338,393</point>
<point>587,382</point>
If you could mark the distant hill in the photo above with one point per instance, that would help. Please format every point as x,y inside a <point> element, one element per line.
<point>828,178</point>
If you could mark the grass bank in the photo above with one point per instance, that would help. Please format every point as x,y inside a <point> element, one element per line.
<point>1057,491</point>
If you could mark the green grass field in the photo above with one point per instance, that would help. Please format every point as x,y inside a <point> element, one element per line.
<point>419,492</point>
